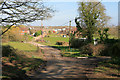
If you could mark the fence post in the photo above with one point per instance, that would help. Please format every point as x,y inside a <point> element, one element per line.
<point>69,33</point>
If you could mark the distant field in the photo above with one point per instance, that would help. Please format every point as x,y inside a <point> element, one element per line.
<point>110,36</point>
<point>52,39</point>
<point>21,46</point>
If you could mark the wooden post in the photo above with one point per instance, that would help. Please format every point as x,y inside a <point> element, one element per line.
<point>69,33</point>
<point>119,31</point>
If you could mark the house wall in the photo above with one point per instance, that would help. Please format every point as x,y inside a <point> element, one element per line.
<point>23,32</point>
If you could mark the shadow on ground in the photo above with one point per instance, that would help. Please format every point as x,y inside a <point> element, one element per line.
<point>15,64</point>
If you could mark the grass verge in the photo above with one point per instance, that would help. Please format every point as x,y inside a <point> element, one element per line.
<point>109,68</point>
<point>22,46</point>
<point>16,64</point>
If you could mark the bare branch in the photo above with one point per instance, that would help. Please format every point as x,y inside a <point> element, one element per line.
<point>6,29</point>
<point>23,12</point>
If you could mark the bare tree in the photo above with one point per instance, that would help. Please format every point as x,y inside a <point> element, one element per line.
<point>15,12</point>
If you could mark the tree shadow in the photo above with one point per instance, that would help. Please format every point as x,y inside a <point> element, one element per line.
<point>16,65</point>
<point>68,68</point>
<point>13,72</point>
<point>115,75</point>
<point>60,47</point>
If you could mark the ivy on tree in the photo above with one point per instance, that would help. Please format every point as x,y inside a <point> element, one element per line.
<point>90,17</point>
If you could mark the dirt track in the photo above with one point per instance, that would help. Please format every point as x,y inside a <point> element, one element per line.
<point>64,67</point>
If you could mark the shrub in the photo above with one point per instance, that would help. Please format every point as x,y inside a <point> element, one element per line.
<point>110,41</point>
<point>12,34</point>
<point>115,50</point>
<point>5,38</point>
<point>112,48</point>
<point>98,49</point>
<point>8,51</point>
<point>77,43</point>
<point>86,49</point>
<point>38,33</point>
<point>16,37</point>
<point>49,32</point>
<point>90,49</point>
<point>59,43</point>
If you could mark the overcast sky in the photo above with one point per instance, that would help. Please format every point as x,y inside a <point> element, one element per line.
<point>66,11</point>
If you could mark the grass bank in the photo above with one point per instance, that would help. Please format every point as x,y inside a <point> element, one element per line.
<point>17,62</point>
<point>22,46</point>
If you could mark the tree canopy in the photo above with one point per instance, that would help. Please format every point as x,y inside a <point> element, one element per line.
<point>91,16</point>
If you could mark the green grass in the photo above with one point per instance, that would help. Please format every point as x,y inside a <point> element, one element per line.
<point>112,37</point>
<point>22,64</point>
<point>22,61</point>
<point>109,36</point>
<point>21,46</point>
<point>51,41</point>
<point>55,35</point>
<point>65,51</point>
<point>72,52</point>
<point>108,67</point>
